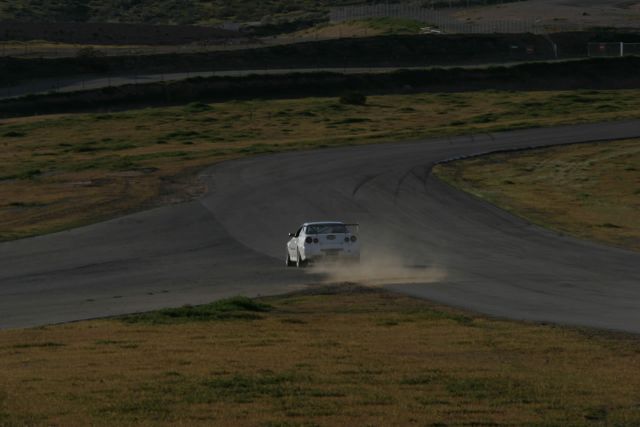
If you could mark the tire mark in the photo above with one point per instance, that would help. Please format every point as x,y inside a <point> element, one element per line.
<point>422,176</point>
<point>363,181</point>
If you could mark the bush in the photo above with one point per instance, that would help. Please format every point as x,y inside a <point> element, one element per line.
<point>353,98</point>
<point>198,107</point>
<point>237,308</point>
<point>89,52</point>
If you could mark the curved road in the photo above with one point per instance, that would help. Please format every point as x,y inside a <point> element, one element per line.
<point>420,236</point>
<point>92,82</point>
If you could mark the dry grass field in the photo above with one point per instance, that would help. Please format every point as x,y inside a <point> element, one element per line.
<point>561,14</point>
<point>63,171</point>
<point>45,49</point>
<point>591,190</point>
<point>337,356</point>
<point>359,28</point>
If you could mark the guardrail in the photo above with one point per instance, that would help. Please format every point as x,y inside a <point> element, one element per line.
<point>600,50</point>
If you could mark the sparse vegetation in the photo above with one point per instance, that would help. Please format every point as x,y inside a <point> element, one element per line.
<point>587,190</point>
<point>353,98</point>
<point>228,309</point>
<point>89,52</point>
<point>330,356</point>
<point>362,28</point>
<point>163,11</point>
<point>63,171</point>
<point>388,25</point>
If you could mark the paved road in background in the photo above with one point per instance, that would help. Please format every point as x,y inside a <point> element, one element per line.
<point>80,83</point>
<point>420,236</point>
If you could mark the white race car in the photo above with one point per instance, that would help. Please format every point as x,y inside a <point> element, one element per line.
<point>316,241</point>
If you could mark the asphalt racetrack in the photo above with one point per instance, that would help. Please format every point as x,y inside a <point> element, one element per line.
<point>419,236</point>
<point>93,82</point>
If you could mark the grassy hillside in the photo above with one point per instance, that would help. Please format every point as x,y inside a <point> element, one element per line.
<point>158,11</point>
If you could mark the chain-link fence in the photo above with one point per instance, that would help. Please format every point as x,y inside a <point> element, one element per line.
<point>449,16</point>
<point>444,16</point>
<point>435,20</point>
<point>605,50</point>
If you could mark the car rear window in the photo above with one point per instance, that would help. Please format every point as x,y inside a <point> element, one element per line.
<point>326,229</point>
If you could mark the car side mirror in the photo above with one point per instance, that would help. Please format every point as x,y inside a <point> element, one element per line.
<point>292,234</point>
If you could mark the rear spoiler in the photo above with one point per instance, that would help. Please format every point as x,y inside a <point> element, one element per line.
<point>356,227</point>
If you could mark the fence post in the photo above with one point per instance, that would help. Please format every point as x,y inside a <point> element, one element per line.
<point>621,48</point>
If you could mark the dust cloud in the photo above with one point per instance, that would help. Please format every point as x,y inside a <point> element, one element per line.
<point>380,266</point>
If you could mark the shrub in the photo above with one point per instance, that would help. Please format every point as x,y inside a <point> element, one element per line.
<point>197,107</point>
<point>353,98</point>
<point>89,52</point>
<point>237,308</point>
<point>14,134</point>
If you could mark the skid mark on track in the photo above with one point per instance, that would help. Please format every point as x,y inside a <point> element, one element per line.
<point>421,173</point>
<point>363,181</point>
<point>424,177</point>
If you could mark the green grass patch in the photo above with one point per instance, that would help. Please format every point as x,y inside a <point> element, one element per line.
<point>26,205</point>
<point>14,134</point>
<point>47,344</point>
<point>198,107</point>
<point>244,388</point>
<point>491,388</point>
<point>238,308</point>
<point>390,25</point>
<point>181,134</point>
<point>352,120</point>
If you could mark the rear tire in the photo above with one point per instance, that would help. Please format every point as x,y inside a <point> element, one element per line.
<point>299,262</point>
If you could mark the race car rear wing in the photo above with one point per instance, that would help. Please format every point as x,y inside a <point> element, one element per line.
<point>353,228</point>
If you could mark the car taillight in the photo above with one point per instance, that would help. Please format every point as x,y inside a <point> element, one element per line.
<point>346,239</point>
<point>308,240</point>
<point>315,240</point>
<point>354,238</point>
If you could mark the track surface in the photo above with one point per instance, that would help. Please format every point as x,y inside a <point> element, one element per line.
<point>92,82</point>
<point>231,242</point>
<point>80,83</point>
